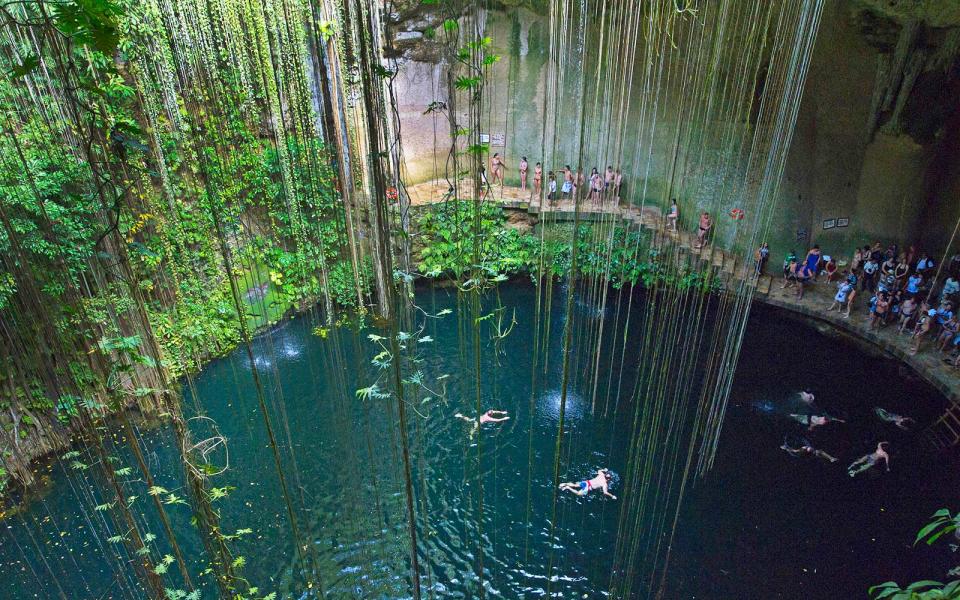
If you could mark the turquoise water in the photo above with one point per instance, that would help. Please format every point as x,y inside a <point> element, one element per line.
<point>762,525</point>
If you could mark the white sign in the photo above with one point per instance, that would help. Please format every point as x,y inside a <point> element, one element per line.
<point>499,139</point>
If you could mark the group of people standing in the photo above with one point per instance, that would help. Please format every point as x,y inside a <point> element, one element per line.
<point>602,187</point>
<point>905,289</point>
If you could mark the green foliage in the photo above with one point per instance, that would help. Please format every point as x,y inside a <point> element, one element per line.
<point>941,523</point>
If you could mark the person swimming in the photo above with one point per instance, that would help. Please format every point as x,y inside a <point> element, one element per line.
<point>488,417</point>
<point>807,397</point>
<point>582,488</point>
<point>802,447</point>
<point>869,461</point>
<point>890,417</point>
<point>814,421</point>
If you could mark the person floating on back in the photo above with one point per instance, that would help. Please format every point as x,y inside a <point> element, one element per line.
<point>814,421</point>
<point>869,461</point>
<point>890,417</point>
<point>582,488</point>
<point>802,447</point>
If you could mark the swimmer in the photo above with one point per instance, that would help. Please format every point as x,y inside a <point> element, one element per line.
<point>487,417</point>
<point>523,173</point>
<point>804,448</point>
<point>814,421</point>
<point>869,461</point>
<point>703,228</point>
<point>890,417</point>
<point>537,179</point>
<point>582,488</point>
<point>807,397</point>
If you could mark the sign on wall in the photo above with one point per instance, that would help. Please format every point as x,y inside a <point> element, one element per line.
<point>829,223</point>
<point>498,139</point>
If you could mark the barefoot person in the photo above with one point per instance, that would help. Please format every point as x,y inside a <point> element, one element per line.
<point>567,188</point>
<point>870,460</point>
<point>703,229</point>
<point>814,421</point>
<point>673,215</point>
<point>609,182</point>
<point>582,488</point>
<point>552,188</point>
<point>523,173</point>
<point>596,186</point>
<point>496,167</point>
<point>537,179</point>
<point>491,416</point>
<point>802,447</point>
<point>889,417</point>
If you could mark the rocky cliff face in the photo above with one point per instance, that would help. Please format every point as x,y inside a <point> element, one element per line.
<point>877,140</point>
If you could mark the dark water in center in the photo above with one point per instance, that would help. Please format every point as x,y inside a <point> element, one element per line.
<point>761,525</point>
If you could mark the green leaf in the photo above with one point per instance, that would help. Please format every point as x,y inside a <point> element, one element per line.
<point>450,25</point>
<point>928,529</point>
<point>29,64</point>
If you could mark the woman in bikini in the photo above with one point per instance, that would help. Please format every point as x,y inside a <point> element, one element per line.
<point>537,179</point>
<point>582,488</point>
<point>523,173</point>
<point>497,165</point>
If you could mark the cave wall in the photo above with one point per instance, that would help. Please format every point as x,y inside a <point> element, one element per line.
<point>871,145</point>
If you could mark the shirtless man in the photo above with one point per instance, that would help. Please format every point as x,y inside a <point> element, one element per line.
<point>567,188</point>
<point>869,461</point>
<point>523,173</point>
<point>595,186</point>
<point>496,166</point>
<point>582,488</point>
<point>703,228</point>
<point>609,182</point>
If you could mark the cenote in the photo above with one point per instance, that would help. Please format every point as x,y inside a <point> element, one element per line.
<point>761,524</point>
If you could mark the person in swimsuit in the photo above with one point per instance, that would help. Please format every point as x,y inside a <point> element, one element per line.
<point>880,310</point>
<point>814,421</point>
<point>488,417</point>
<point>703,229</point>
<point>609,180</point>
<point>596,186</point>
<point>907,310</point>
<point>869,461</point>
<point>497,165</point>
<point>901,270</point>
<point>890,417</point>
<point>578,183</point>
<point>831,269</point>
<point>843,290</point>
<point>807,397</point>
<point>950,328</point>
<point>812,261</point>
<point>567,188</point>
<point>582,488</point>
<point>617,184</point>
<point>802,275</point>
<point>760,258</point>
<point>537,179</point>
<point>523,173</point>
<point>922,328</point>
<point>673,215</point>
<point>803,447</point>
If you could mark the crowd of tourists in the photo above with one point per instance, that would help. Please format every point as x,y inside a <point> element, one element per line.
<point>903,289</point>
<point>602,187</point>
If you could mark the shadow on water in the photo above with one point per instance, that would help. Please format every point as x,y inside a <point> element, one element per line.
<point>763,524</point>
